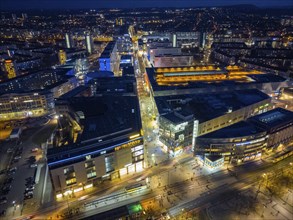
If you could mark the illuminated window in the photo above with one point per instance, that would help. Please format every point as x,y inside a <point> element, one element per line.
<point>109,163</point>
<point>71,181</point>
<point>68,170</point>
<point>89,164</point>
<point>91,173</point>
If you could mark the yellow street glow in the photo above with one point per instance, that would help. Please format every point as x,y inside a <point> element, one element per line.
<point>134,136</point>
<point>88,186</point>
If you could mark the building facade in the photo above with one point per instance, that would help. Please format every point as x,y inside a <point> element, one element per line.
<point>15,106</point>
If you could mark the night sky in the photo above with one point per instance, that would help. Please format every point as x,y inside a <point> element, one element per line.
<point>79,4</point>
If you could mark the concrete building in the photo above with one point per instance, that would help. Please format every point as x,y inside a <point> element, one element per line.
<point>248,140</point>
<point>108,146</point>
<point>183,118</point>
<point>205,79</point>
<point>89,43</point>
<point>153,52</point>
<point>172,60</point>
<point>109,57</point>
<point>278,123</point>
<point>15,106</point>
<point>69,40</point>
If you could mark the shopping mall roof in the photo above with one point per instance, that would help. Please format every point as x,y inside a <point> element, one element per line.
<point>211,105</point>
<point>240,129</point>
<point>273,120</point>
<point>208,79</point>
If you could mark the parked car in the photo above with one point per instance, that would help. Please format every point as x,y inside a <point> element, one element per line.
<point>35,149</point>
<point>10,150</point>
<point>33,165</point>
<point>17,157</point>
<point>13,169</point>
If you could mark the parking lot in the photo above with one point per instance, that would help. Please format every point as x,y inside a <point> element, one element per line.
<point>21,168</point>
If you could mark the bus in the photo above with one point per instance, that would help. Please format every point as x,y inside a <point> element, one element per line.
<point>135,187</point>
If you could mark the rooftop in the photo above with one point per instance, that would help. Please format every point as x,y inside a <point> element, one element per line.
<point>107,121</point>
<point>210,105</point>
<point>181,80</point>
<point>274,119</point>
<point>240,129</point>
<point>108,50</point>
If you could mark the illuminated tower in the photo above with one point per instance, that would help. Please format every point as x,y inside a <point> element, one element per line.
<point>10,69</point>
<point>202,41</point>
<point>174,40</point>
<point>62,57</point>
<point>89,43</point>
<point>69,40</point>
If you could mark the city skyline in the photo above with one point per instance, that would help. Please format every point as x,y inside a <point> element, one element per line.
<point>146,113</point>
<point>93,4</point>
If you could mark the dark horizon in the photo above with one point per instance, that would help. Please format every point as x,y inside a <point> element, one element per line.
<point>128,4</point>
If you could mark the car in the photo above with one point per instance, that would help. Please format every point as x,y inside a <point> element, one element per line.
<point>9,150</point>
<point>30,188</point>
<point>35,149</point>
<point>28,197</point>
<point>33,165</point>
<point>17,157</point>
<point>13,169</point>
<point>30,193</point>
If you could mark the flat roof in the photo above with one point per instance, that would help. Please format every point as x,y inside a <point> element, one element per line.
<point>74,92</point>
<point>108,121</point>
<point>108,50</point>
<point>204,85</point>
<point>211,105</point>
<point>240,129</point>
<point>273,120</point>
<point>115,85</point>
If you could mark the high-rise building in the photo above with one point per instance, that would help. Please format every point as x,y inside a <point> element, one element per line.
<point>24,16</point>
<point>202,42</point>
<point>14,16</point>
<point>174,40</point>
<point>89,43</point>
<point>69,40</point>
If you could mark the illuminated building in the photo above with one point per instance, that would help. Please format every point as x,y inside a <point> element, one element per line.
<point>108,57</point>
<point>62,57</point>
<point>160,51</point>
<point>204,79</point>
<point>9,66</point>
<point>174,40</point>
<point>23,105</point>
<point>89,43</point>
<point>68,40</point>
<point>81,69</point>
<point>248,140</point>
<point>172,60</point>
<point>108,146</point>
<point>184,118</point>
<point>279,125</point>
<point>202,41</point>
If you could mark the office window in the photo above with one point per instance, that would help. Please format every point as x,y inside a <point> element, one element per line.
<point>68,170</point>
<point>71,181</point>
<point>109,163</point>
